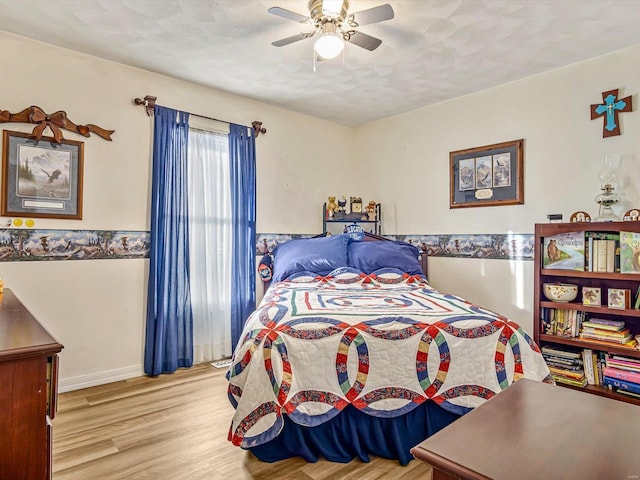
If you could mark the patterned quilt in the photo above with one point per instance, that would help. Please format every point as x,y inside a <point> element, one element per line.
<point>384,343</point>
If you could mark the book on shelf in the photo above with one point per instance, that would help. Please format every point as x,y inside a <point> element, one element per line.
<point>598,365</point>
<point>625,332</point>
<point>631,344</point>
<point>600,256</point>
<point>562,322</point>
<point>602,363</point>
<point>621,384</point>
<point>589,372</point>
<point>620,374</point>
<point>629,252</point>
<point>602,251</point>
<point>627,337</point>
<point>565,329</point>
<point>572,366</point>
<point>623,363</point>
<point>576,382</point>
<point>604,324</point>
<point>575,374</point>
<point>564,361</point>
<point>546,326</point>
<point>565,366</point>
<point>619,298</point>
<point>560,352</point>
<point>628,393</point>
<point>564,251</point>
<point>557,316</point>
<point>626,359</point>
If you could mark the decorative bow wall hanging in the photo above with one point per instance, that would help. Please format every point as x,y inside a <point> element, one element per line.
<point>55,121</point>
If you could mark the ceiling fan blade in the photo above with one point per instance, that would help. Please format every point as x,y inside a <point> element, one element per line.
<point>293,38</point>
<point>372,15</point>
<point>288,14</point>
<point>365,41</point>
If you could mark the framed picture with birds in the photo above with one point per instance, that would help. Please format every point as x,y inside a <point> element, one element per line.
<point>487,176</point>
<point>41,178</point>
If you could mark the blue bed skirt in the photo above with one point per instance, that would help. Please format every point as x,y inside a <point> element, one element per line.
<point>353,434</point>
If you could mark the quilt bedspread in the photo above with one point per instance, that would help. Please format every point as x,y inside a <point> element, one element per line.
<point>384,343</point>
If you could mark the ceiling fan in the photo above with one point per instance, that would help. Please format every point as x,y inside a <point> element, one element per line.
<point>334,25</point>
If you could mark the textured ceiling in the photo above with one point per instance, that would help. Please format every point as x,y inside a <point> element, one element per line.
<point>433,50</point>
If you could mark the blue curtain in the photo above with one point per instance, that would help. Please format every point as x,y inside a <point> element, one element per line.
<point>242,155</point>
<point>169,331</point>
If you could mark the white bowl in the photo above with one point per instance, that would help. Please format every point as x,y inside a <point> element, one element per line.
<point>560,292</point>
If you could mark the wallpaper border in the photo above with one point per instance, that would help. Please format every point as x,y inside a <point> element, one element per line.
<point>26,245</point>
<point>495,246</point>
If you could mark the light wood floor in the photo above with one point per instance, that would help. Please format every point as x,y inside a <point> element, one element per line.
<point>174,427</point>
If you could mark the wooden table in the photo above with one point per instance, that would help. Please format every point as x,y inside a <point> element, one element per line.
<point>534,430</point>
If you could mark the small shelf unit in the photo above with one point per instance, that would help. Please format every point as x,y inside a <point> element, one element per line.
<point>340,221</point>
<point>604,280</point>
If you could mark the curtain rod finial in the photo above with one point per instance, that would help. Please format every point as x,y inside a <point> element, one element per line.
<point>258,128</point>
<point>149,102</point>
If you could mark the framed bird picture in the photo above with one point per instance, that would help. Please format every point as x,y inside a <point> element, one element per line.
<point>41,178</point>
<point>487,176</point>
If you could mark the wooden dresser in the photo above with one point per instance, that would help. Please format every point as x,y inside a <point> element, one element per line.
<point>28,390</point>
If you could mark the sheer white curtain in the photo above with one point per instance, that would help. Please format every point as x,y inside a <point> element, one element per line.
<point>210,244</point>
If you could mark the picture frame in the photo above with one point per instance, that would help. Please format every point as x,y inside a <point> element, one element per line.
<point>486,176</point>
<point>619,298</point>
<point>592,296</point>
<point>356,205</point>
<point>41,178</point>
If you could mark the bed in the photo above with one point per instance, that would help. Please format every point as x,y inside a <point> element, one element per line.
<point>352,353</point>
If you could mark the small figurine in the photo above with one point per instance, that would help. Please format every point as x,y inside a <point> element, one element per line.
<point>342,204</point>
<point>332,207</point>
<point>632,215</point>
<point>580,216</point>
<point>371,211</point>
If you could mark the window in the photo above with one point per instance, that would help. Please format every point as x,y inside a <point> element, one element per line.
<point>210,244</point>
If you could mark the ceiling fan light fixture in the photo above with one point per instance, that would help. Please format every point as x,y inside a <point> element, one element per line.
<point>332,8</point>
<point>329,45</point>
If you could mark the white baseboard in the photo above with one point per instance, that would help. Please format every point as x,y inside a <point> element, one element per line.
<point>99,378</point>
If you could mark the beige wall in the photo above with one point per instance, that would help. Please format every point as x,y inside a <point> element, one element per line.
<point>408,157</point>
<point>97,308</point>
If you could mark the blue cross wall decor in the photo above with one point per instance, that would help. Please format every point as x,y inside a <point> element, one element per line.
<point>609,111</point>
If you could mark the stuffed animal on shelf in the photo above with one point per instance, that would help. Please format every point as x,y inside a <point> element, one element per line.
<point>371,211</point>
<point>332,207</point>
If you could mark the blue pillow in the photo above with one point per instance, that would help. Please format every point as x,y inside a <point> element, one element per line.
<point>374,255</point>
<point>319,255</point>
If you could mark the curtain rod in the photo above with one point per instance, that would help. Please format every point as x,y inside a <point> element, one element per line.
<point>149,102</point>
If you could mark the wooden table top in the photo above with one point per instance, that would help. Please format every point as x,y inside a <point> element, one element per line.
<point>534,431</point>
<point>21,334</point>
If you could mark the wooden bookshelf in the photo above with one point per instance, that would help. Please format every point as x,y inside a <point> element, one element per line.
<point>604,280</point>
